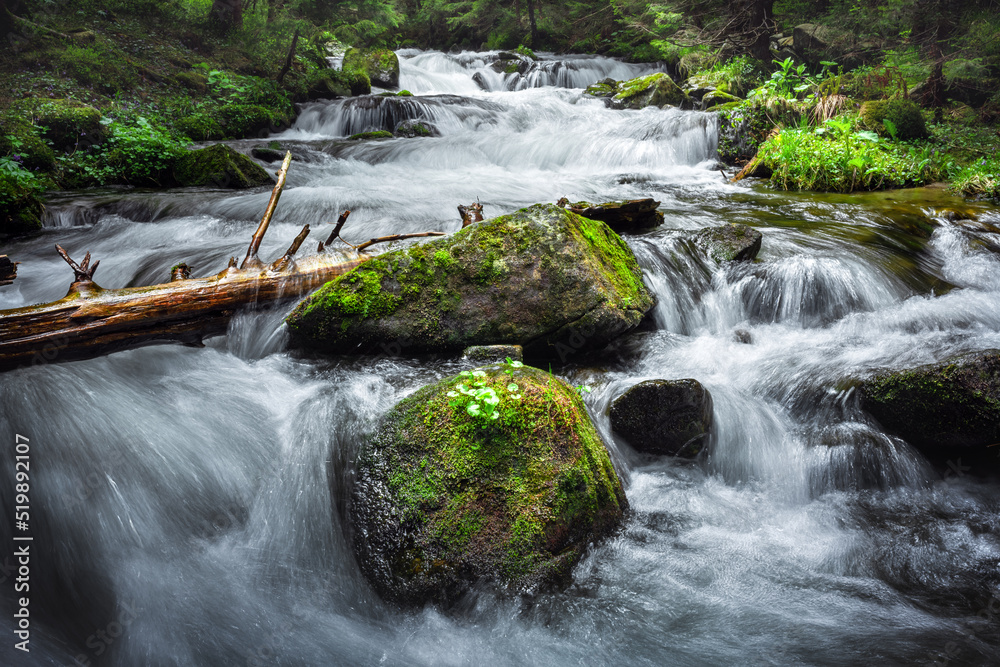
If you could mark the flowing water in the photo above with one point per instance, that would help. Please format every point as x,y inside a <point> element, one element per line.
<point>183,499</point>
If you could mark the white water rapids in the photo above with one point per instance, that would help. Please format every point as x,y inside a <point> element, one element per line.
<point>183,500</point>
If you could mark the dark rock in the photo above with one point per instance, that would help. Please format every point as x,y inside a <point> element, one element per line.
<point>220,166</point>
<point>815,43</point>
<point>380,65</point>
<point>488,354</point>
<point>510,63</point>
<point>265,154</point>
<point>542,277</point>
<point>952,404</point>
<point>622,216</point>
<point>605,88</point>
<point>671,417</point>
<point>730,243</point>
<point>445,499</point>
<point>742,336</point>
<point>377,134</point>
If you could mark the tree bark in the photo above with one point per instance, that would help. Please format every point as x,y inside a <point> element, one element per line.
<point>531,20</point>
<point>227,14</point>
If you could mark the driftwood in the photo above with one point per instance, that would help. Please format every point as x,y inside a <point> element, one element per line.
<point>8,270</point>
<point>471,213</point>
<point>91,321</point>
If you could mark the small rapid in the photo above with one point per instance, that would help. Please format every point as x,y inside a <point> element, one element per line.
<point>189,499</point>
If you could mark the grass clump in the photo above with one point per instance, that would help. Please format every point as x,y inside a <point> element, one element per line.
<point>836,157</point>
<point>980,179</point>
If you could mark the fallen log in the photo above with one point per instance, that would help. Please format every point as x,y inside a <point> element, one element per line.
<point>8,271</point>
<point>91,321</point>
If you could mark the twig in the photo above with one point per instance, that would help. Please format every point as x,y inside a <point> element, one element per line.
<point>83,272</point>
<point>258,236</point>
<point>395,237</point>
<point>283,262</point>
<point>336,230</point>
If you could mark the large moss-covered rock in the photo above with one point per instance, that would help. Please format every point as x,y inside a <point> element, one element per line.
<point>905,116</point>
<point>542,277</point>
<point>20,208</point>
<point>732,242</point>
<point>18,139</point>
<point>329,83</point>
<point>69,123</point>
<point>380,65</point>
<point>655,90</point>
<point>444,500</point>
<point>955,403</point>
<point>221,167</point>
<point>671,417</point>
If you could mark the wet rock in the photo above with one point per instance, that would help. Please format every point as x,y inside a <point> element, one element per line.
<point>445,499</point>
<point>953,404</point>
<point>380,65</point>
<point>221,167</point>
<point>377,134</point>
<point>542,277</point>
<point>655,90</point>
<point>621,216</point>
<point>730,243</point>
<point>416,128</point>
<point>488,354</point>
<point>742,336</point>
<point>716,98</point>
<point>671,417</point>
<point>605,88</point>
<point>274,151</point>
<point>508,62</point>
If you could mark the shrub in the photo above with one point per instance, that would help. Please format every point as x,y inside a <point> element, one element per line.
<point>200,126</point>
<point>834,158</point>
<point>142,154</point>
<point>20,205</point>
<point>980,179</point>
<point>900,118</point>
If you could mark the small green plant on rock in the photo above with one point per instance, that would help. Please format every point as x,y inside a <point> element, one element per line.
<point>479,400</point>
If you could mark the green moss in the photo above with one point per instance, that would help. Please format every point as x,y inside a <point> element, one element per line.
<point>18,137</point>
<point>378,134</point>
<point>68,123</point>
<point>905,115</point>
<point>657,90</point>
<point>614,259</point>
<point>193,81</point>
<point>526,52</point>
<point>219,166</point>
<point>200,127</point>
<point>357,293</point>
<point>381,66</point>
<point>243,120</point>
<point>404,93</point>
<point>20,207</point>
<point>522,491</point>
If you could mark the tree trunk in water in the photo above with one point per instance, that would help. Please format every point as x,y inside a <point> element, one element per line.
<point>227,14</point>
<point>531,20</point>
<point>91,321</point>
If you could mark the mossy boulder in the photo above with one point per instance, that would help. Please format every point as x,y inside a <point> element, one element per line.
<point>444,500</point>
<point>221,167</point>
<point>655,90</point>
<point>605,88</point>
<point>244,120</point>
<point>380,65</point>
<point>193,81</point>
<point>732,242</point>
<point>905,115</point>
<point>20,207</point>
<point>671,417</point>
<point>717,98</point>
<point>542,277</point>
<point>411,128</point>
<point>952,404</point>
<point>69,123</point>
<point>330,83</point>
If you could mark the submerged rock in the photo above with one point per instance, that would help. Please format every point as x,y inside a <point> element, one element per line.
<point>380,65</point>
<point>621,216</point>
<point>952,404</point>
<point>445,499</point>
<point>220,166</point>
<point>730,243</point>
<point>542,277</point>
<point>671,417</point>
<point>416,128</point>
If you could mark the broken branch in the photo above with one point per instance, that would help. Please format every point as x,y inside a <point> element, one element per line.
<point>251,259</point>
<point>395,237</point>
